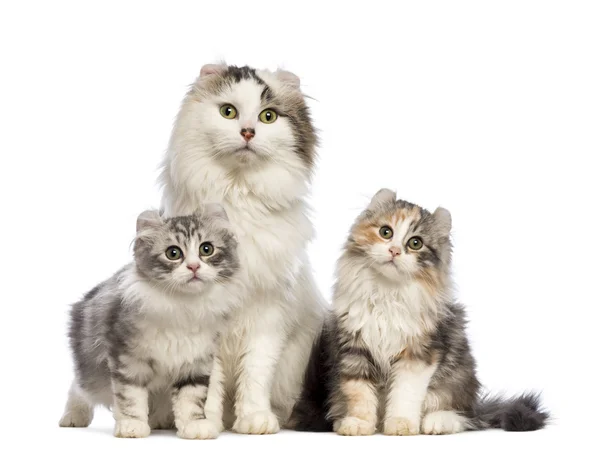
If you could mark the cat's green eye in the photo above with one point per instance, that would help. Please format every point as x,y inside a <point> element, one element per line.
<point>268,116</point>
<point>206,249</point>
<point>415,243</point>
<point>228,111</point>
<point>386,232</point>
<point>173,253</point>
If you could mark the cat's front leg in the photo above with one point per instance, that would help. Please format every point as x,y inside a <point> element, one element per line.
<point>357,391</point>
<point>213,408</point>
<point>257,370</point>
<point>130,408</point>
<point>407,390</point>
<point>189,399</point>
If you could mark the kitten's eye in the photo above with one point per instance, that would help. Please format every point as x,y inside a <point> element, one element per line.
<point>173,253</point>
<point>206,249</point>
<point>268,116</point>
<point>415,243</point>
<point>228,111</point>
<point>386,232</point>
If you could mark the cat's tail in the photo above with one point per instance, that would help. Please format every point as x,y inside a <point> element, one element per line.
<point>520,413</point>
<point>310,411</point>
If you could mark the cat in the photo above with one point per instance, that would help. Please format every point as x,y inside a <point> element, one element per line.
<point>143,341</point>
<point>395,352</point>
<point>244,138</point>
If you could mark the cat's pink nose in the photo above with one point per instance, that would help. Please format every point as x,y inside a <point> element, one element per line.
<point>247,133</point>
<point>395,251</point>
<point>193,267</point>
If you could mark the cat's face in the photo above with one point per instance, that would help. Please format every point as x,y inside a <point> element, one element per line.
<point>245,118</point>
<point>186,253</point>
<point>400,239</point>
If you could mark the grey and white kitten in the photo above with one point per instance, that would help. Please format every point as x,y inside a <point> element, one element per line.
<point>144,340</point>
<point>395,352</point>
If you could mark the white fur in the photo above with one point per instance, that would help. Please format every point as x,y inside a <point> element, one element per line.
<point>78,411</point>
<point>408,387</point>
<point>174,329</point>
<point>270,336</point>
<point>387,314</point>
<point>131,428</point>
<point>443,422</point>
<point>126,426</point>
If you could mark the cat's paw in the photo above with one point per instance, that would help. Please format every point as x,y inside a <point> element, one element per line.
<point>131,428</point>
<point>77,418</point>
<point>443,422</point>
<point>199,429</point>
<point>261,422</point>
<point>353,426</point>
<point>400,426</point>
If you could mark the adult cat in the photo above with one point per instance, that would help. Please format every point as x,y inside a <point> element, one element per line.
<point>244,138</point>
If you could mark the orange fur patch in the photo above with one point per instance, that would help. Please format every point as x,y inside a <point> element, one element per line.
<point>429,279</point>
<point>361,399</point>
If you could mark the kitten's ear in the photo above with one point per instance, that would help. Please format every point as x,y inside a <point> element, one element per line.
<point>214,210</point>
<point>288,78</point>
<point>443,219</point>
<point>212,68</point>
<point>148,219</point>
<point>382,197</point>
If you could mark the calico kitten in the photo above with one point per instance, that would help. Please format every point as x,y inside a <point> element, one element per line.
<point>244,138</point>
<point>395,348</point>
<point>143,341</point>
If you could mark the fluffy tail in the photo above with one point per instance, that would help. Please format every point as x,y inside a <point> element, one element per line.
<point>310,411</point>
<point>520,413</point>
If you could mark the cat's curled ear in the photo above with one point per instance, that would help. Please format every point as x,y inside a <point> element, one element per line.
<point>288,78</point>
<point>148,219</point>
<point>443,220</point>
<point>213,209</point>
<point>212,68</point>
<point>382,197</point>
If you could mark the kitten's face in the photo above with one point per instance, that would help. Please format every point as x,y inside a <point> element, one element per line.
<point>186,253</point>
<point>243,117</point>
<point>399,239</point>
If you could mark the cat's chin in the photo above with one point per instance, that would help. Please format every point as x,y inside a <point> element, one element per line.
<point>192,287</point>
<point>390,271</point>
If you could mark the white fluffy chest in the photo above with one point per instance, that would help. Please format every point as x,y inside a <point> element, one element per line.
<point>174,332</point>
<point>270,244</point>
<point>172,349</point>
<point>389,321</point>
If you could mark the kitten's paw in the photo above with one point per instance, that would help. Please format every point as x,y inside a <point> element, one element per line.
<point>400,426</point>
<point>216,419</point>
<point>443,422</point>
<point>131,428</point>
<point>353,426</point>
<point>77,418</point>
<point>199,429</point>
<point>261,422</point>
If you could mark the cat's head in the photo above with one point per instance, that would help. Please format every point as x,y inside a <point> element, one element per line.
<point>186,253</point>
<point>246,118</point>
<point>402,240</point>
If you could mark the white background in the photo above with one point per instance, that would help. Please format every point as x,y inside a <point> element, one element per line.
<point>491,109</point>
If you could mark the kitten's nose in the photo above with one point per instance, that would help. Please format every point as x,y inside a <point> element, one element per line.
<point>247,133</point>
<point>193,267</point>
<point>395,251</point>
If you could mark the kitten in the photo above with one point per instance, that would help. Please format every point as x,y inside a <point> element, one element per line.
<point>244,138</point>
<point>146,337</point>
<point>396,348</point>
